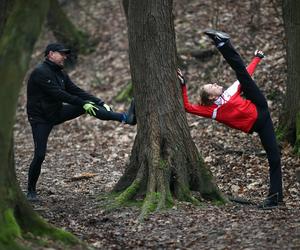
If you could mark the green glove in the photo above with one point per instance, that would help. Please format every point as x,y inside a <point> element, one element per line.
<point>89,108</point>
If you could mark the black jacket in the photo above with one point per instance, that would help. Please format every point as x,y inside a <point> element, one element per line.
<point>48,88</point>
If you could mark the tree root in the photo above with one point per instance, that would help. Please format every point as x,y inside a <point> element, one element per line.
<point>129,193</point>
<point>14,225</point>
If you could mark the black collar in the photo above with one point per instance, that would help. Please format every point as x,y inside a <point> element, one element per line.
<point>53,65</point>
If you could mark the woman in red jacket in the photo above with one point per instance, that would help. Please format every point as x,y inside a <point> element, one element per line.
<point>249,114</point>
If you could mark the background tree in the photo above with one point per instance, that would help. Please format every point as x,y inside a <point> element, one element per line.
<point>66,32</point>
<point>289,123</point>
<point>21,29</point>
<point>126,93</point>
<point>164,161</point>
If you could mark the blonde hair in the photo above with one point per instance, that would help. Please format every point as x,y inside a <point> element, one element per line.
<point>204,98</point>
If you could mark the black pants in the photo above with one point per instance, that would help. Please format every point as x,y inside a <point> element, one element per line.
<point>41,131</point>
<point>264,125</point>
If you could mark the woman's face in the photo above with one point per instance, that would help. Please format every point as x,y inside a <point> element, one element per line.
<point>213,90</point>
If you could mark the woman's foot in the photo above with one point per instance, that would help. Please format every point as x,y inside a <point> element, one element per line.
<point>219,38</point>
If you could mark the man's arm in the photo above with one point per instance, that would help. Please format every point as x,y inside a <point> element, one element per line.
<point>49,86</point>
<point>75,90</point>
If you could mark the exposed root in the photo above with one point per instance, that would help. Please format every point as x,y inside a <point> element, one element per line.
<point>9,231</point>
<point>15,225</point>
<point>129,192</point>
<point>150,204</point>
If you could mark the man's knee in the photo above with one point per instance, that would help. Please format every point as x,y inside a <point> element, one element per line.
<point>39,157</point>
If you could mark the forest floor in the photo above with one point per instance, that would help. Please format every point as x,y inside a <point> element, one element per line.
<point>86,157</point>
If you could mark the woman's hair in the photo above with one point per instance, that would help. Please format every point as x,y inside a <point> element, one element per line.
<point>204,98</point>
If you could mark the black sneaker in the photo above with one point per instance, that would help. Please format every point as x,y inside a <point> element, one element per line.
<point>130,117</point>
<point>272,201</point>
<point>217,36</point>
<point>32,196</point>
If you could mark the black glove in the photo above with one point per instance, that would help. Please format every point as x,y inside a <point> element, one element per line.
<point>259,53</point>
<point>181,77</point>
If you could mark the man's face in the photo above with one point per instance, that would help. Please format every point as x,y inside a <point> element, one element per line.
<point>57,57</point>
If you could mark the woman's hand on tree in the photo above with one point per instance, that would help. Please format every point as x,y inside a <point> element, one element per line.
<point>181,77</point>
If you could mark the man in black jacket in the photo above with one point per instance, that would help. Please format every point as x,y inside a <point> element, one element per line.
<point>52,98</point>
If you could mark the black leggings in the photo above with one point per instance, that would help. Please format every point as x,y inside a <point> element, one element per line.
<point>264,126</point>
<point>41,131</point>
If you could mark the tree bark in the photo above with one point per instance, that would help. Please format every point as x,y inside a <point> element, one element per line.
<point>289,122</point>
<point>20,32</point>
<point>125,4</point>
<point>164,162</point>
<point>5,8</point>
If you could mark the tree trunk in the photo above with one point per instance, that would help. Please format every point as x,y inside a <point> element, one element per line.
<point>66,33</point>
<point>164,162</point>
<point>125,4</point>
<point>20,32</point>
<point>289,123</point>
<point>5,8</point>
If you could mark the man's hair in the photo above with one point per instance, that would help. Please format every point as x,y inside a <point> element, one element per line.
<point>204,98</point>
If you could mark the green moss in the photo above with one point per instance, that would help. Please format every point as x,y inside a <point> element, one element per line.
<point>219,202</point>
<point>63,236</point>
<point>12,246</point>
<point>125,94</point>
<point>185,195</point>
<point>150,204</point>
<point>163,164</point>
<point>43,229</point>
<point>169,200</point>
<point>129,193</point>
<point>109,202</point>
<point>9,230</point>
<point>281,133</point>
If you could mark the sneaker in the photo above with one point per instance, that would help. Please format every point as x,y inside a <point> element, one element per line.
<point>129,116</point>
<point>272,201</point>
<point>218,37</point>
<point>32,196</point>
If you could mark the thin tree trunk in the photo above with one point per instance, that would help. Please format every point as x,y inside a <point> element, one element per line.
<point>289,125</point>
<point>5,8</point>
<point>20,32</point>
<point>66,33</point>
<point>164,162</point>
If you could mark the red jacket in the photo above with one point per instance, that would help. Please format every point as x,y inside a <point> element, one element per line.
<point>230,108</point>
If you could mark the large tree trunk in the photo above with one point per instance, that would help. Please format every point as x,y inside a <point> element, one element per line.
<point>164,163</point>
<point>66,33</point>
<point>289,124</point>
<point>20,32</point>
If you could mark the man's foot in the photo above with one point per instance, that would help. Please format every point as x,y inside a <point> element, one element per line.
<point>129,116</point>
<point>219,38</point>
<point>272,201</point>
<point>32,196</point>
